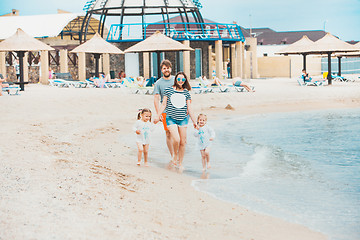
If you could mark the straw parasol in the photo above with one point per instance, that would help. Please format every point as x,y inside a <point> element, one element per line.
<point>351,54</point>
<point>330,44</point>
<point>347,55</point>
<point>21,42</point>
<point>327,45</point>
<point>298,47</point>
<point>158,42</point>
<point>97,45</point>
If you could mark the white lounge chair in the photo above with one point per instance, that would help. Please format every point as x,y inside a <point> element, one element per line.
<point>310,83</point>
<point>11,90</point>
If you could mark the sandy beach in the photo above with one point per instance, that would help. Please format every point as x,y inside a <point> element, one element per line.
<point>68,169</point>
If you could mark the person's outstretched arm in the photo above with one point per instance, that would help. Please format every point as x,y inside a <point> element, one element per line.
<point>212,133</point>
<point>161,110</point>
<point>190,111</point>
<point>156,103</point>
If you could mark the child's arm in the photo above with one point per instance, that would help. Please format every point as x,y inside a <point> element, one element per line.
<point>163,105</point>
<point>212,133</point>
<point>191,114</point>
<point>196,132</point>
<point>161,110</point>
<point>136,128</point>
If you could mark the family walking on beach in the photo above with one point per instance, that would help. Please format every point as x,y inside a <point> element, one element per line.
<point>172,101</point>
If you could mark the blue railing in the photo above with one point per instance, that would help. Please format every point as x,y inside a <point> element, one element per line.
<point>198,4</point>
<point>177,31</point>
<point>88,5</point>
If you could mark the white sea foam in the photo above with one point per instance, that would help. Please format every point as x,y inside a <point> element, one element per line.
<point>258,164</point>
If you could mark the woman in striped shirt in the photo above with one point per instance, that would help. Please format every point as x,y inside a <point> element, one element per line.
<point>177,103</point>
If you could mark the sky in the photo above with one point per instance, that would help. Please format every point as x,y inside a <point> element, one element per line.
<point>339,17</point>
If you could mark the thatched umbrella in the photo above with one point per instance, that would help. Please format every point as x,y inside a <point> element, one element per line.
<point>21,42</point>
<point>347,55</point>
<point>351,54</point>
<point>97,45</point>
<point>327,45</point>
<point>330,44</point>
<point>298,47</point>
<point>158,43</point>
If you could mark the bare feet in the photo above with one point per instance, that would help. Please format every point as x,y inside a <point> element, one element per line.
<point>174,162</point>
<point>208,166</point>
<point>146,164</point>
<point>138,163</point>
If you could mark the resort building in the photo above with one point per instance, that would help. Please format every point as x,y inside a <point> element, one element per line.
<point>134,20</point>
<point>270,64</point>
<point>250,53</point>
<point>270,42</point>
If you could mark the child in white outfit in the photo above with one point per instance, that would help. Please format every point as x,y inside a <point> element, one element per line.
<point>142,128</point>
<point>205,135</point>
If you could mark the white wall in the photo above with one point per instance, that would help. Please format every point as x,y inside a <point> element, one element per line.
<point>132,64</point>
<point>270,50</point>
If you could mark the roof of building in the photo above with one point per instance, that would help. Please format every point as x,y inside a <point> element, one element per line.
<point>39,26</point>
<point>45,26</point>
<point>255,31</point>
<point>140,7</point>
<point>267,36</point>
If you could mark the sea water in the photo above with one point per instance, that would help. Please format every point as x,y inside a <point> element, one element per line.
<point>303,167</point>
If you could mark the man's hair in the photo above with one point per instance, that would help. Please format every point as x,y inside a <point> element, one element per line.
<point>166,63</point>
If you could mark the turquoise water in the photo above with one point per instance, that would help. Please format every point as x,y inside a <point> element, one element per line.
<point>303,167</point>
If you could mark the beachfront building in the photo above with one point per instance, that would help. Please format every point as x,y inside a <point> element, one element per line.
<point>61,31</point>
<point>270,42</point>
<point>270,64</point>
<point>135,20</point>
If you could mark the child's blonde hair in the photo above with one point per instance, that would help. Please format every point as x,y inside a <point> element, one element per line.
<point>142,111</point>
<point>201,115</point>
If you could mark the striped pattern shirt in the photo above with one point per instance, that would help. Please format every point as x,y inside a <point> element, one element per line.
<point>176,106</point>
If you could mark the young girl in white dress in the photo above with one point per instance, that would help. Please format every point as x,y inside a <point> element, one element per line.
<point>205,135</point>
<point>143,127</point>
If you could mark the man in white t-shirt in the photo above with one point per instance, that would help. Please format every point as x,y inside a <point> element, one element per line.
<point>167,80</point>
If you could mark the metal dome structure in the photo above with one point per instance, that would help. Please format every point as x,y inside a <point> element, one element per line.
<point>187,9</point>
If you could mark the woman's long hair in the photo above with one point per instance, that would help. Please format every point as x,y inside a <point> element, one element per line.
<point>186,84</point>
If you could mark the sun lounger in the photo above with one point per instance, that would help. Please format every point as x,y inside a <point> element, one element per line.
<point>134,88</point>
<point>204,88</point>
<point>57,83</point>
<point>342,79</point>
<point>146,90</point>
<point>199,89</point>
<point>220,89</point>
<point>75,83</point>
<point>11,90</point>
<point>310,83</point>
<point>91,83</point>
<point>65,80</point>
<point>239,89</point>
